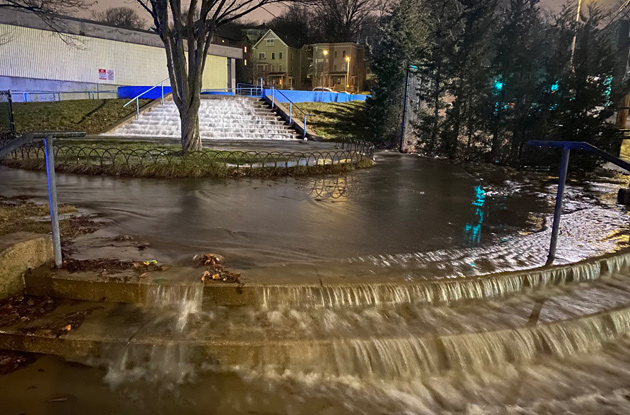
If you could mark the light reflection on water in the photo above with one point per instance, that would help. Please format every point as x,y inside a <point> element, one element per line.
<point>376,217</point>
<point>472,231</point>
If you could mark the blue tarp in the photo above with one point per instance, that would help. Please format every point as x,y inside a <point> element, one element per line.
<point>218,93</point>
<point>129,92</point>
<point>313,96</point>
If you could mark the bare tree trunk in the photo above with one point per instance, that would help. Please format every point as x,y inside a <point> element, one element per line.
<point>187,36</point>
<point>189,119</point>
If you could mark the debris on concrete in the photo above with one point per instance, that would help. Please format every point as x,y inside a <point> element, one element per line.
<point>106,266</point>
<point>24,308</point>
<point>215,270</point>
<point>61,325</point>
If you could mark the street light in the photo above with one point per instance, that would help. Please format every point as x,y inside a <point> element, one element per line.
<point>325,53</point>
<point>347,72</point>
<point>577,19</point>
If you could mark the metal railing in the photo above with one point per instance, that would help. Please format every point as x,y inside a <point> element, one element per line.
<point>249,90</point>
<point>83,158</point>
<point>241,89</point>
<point>137,98</point>
<point>566,147</point>
<point>305,115</point>
<point>7,122</point>
<point>49,157</point>
<point>57,95</point>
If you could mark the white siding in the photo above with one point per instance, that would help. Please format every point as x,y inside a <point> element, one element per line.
<point>39,54</point>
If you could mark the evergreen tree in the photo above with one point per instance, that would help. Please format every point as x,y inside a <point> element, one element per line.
<point>519,68</point>
<point>586,101</point>
<point>403,34</point>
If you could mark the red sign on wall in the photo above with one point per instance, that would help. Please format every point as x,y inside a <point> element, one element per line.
<point>102,75</point>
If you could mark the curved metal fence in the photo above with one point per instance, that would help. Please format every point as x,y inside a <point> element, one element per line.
<point>128,160</point>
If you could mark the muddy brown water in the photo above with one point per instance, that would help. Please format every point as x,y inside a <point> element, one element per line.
<point>404,204</point>
<point>403,214</point>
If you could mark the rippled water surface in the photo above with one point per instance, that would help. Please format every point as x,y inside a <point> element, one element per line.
<point>381,342</point>
<point>407,208</point>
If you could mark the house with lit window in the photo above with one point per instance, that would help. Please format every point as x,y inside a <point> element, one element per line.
<point>340,66</point>
<point>279,62</point>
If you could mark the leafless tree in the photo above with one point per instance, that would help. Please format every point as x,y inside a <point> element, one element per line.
<point>125,17</point>
<point>187,31</point>
<point>342,20</point>
<point>48,10</point>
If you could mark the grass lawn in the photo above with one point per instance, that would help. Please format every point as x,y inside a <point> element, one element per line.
<point>625,149</point>
<point>336,120</point>
<point>90,115</point>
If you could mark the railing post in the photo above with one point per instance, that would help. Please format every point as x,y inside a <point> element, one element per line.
<point>273,96</point>
<point>137,108</point>
<point>162,85</point>
<point>304,136</point>
<point>290,112</point>
<point>11,119</point>
<point>52,198</point>
<point>564,167</point>
<point>25,96</point>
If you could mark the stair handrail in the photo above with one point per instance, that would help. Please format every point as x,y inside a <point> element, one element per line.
<point>137,98</point>
<point>291,105</point>
<point>566,147</point>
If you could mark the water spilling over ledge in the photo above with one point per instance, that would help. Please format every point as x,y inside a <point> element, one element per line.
<point>228,118</point>
<point>467,325</point>
<point>439,290</point>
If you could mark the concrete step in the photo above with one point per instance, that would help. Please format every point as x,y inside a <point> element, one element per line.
<point>321,284</point>
<point>84,330</point>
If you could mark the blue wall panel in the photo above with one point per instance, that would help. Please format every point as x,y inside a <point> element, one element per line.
<point>129,92</point>
<point>313,96</point>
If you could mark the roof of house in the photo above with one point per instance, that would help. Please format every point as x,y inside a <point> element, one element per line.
<point>287,40</point>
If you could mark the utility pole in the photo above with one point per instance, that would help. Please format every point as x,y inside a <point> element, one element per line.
<point>577,19</point>
<point>404,111</point>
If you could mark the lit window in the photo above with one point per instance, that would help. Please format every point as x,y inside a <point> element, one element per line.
<point>245,49</point>
<point>245,62</point>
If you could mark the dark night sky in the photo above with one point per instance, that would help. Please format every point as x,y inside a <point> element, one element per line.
<point>262,15</point>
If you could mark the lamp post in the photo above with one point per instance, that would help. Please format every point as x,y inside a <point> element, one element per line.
<point>325,53</point>
<point>577,19</point>
<point>347,72</point>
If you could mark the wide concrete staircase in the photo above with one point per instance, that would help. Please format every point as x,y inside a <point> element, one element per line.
<point>220,118</point>
<point>518,334</point>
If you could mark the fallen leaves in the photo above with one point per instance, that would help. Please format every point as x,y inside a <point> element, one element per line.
<point>215,270</point>
<point>111,265</point>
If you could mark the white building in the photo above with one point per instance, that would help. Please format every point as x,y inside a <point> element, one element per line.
<point>90,56</point>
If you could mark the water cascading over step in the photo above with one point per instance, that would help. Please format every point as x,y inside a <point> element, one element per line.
<point>169,311</point>
<point>226,118</point>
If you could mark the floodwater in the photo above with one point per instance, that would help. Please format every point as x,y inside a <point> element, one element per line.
<point>404,206</point>
<point>561,349</point>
